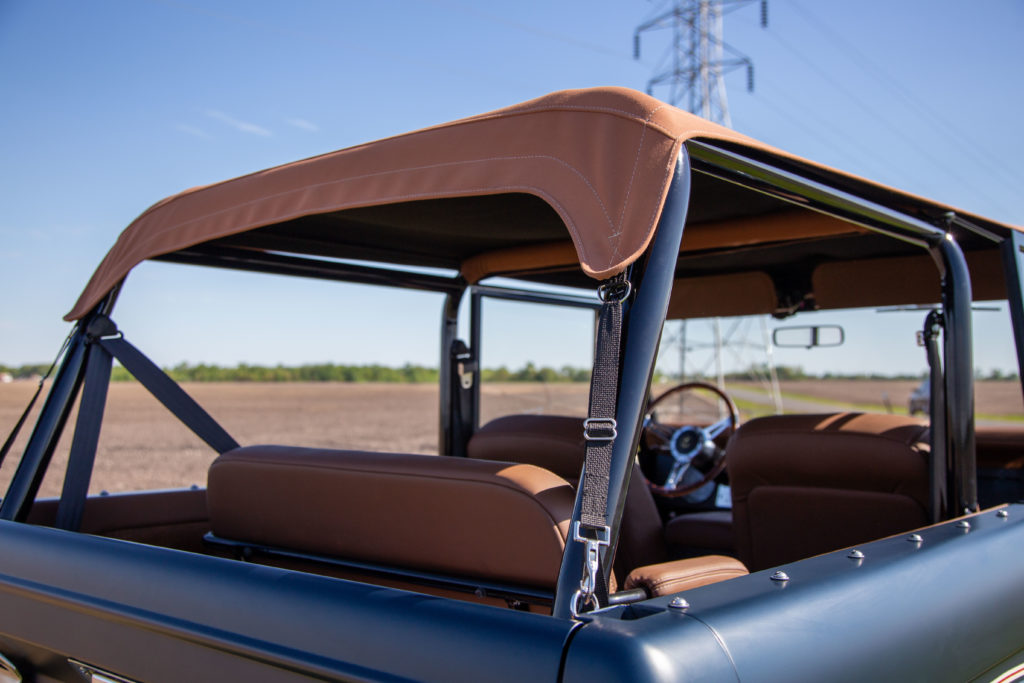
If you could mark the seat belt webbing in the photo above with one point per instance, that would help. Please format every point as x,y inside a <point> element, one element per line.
<point>599,432</point>
<point>39,389</point>
<point>166,390</point>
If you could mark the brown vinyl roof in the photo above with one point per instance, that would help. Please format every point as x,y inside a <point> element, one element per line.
<point>601,159</point>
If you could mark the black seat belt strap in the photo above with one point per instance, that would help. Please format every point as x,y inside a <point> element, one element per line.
<point>86,439</point>
<point>166,390</point>
<point>39,389</point>
<point>21,422</point>
<point>599,432</point>
<point>105,344</point>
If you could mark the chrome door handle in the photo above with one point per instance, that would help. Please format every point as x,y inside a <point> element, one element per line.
<point>8,672</point>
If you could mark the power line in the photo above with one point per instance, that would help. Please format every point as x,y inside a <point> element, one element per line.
<point>694,66</point>
<point>885,122</point>
<point>864,63</point>
<point>528,28</point>
<point>820,129</point>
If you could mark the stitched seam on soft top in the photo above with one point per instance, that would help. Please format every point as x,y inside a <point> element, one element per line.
<point>178,225</point>
<point>632,177</point>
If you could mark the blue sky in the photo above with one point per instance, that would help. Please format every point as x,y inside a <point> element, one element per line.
<point>111,105</point>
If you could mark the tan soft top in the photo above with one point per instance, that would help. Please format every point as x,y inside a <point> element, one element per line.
<point>601,158</point>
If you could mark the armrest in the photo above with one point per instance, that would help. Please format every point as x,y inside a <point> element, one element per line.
<point>666,578</point>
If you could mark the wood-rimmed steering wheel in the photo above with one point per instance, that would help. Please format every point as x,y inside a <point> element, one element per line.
<point>677,460</point>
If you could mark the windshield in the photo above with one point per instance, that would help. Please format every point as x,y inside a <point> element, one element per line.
<point>878,367</point>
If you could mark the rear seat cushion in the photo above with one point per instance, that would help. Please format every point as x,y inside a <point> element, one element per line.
<point>501,521</point>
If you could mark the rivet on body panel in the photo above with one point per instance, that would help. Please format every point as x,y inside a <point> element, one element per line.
<point>679,604</point>
<point>1003,514</point>
<point>857,557</point>
<point>963,524</point>
<point>915,538</point>
<point>780,577</point>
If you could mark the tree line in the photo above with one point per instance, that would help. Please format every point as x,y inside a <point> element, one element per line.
<point>327,372</point>
<point>330,372</point>
<point>25,371</point>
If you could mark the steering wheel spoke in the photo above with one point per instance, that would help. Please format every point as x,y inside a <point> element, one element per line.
<point>663,432</point>
<point>712,432</point>
<point>675,476</point>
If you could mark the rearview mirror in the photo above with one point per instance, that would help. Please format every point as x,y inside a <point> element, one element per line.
<point>808,336</point>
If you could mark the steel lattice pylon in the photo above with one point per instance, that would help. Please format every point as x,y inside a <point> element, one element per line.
<point>694,67</point>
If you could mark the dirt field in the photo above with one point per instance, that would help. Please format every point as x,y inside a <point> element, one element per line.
<point>143,447</point>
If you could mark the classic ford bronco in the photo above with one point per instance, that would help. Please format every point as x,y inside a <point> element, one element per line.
<point>855,546</point>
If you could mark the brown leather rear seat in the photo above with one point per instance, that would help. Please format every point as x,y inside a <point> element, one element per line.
<point>454,516</point>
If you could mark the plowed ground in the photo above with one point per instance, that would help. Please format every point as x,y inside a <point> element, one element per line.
<point>143,447</point>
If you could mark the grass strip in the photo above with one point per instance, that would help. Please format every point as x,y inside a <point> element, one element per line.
<point>755,409</point>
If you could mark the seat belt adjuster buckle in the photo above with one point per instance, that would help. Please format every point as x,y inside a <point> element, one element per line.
<point>600,429</point>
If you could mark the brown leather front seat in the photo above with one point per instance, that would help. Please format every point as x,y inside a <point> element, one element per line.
<point>556,443</point>
<point>803,485</point>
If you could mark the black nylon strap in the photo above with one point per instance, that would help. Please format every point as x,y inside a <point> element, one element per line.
<point>174,398</point>
<point>24,416</point>
<point>87,435</point>
<point>21,422</point>
<point>599,429</point>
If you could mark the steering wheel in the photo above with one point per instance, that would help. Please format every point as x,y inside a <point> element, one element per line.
<point>692,456</point>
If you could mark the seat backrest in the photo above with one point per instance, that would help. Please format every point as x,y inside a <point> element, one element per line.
<point>803,485</point>
<point>555,442</point>
<point>454,516</point>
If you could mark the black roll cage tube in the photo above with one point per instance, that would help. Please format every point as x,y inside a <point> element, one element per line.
<point>254,260</point>
<point>452,434</point>
<point>644,316</point>
<point>939,488</point>
<point>955,282</point>
<point>478,293</point>
<point>1013,266</point>
<point>49,426</point>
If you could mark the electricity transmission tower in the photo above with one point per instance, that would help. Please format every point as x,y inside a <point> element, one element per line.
<point>693,69</point>
<point>695,65</point>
